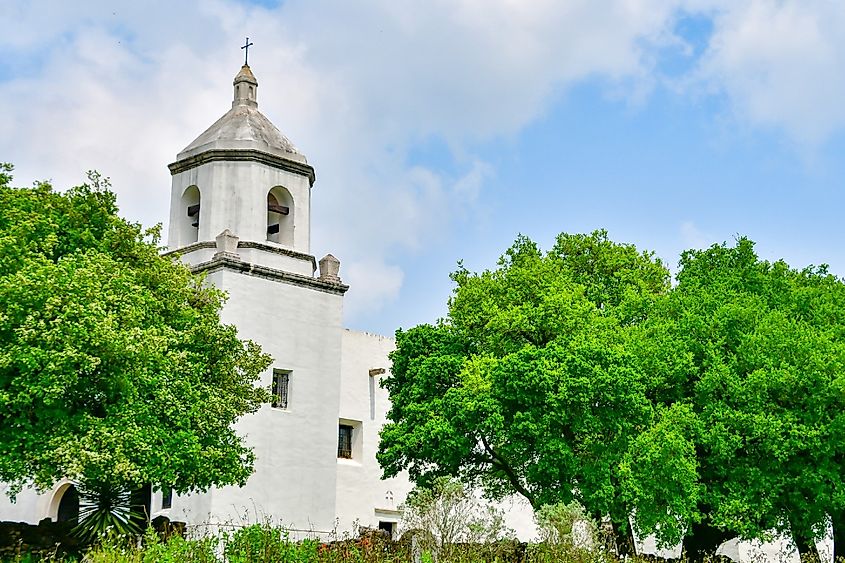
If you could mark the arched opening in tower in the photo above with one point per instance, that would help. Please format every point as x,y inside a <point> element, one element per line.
<point>190,219</point>
<point>280,216</point>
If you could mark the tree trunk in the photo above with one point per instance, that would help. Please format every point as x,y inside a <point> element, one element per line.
<point>702,542</point>
<point>806,547</point>
<point>838,517</point>
<point>804,542</point>
<point>623,537</point>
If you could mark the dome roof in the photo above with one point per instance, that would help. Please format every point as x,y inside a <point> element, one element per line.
<point>244,127</point>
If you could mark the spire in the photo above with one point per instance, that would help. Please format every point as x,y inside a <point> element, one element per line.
<point>246,88</point>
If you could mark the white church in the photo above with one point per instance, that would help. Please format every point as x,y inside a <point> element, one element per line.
<point>240,213</point>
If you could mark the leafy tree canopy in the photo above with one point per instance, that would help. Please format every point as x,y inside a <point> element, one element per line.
<point>707,410</point>
<point>757,414</point>
<point>526,386</point>
<point>114,366</point>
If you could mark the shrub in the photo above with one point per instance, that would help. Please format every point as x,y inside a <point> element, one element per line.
<point>447,514</point>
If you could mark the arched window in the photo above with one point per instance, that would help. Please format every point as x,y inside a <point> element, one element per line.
<point>280,216</point>
<point>190,216</point>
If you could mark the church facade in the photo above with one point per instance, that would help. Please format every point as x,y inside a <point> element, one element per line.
<point>240,214</point>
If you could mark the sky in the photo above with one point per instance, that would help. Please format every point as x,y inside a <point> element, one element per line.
<point>441,130</point>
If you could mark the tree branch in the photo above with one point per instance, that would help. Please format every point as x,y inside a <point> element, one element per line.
<point>498,461</point>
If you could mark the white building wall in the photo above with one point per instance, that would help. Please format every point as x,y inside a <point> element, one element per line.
<point>295,471</point>
<point>29,506</point>
<point>363,498</point>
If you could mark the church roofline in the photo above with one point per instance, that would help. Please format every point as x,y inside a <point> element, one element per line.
<point>245,244</point>
<point>227,263</point>
<point>243,155</point>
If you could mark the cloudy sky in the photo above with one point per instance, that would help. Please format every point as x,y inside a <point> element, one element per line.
<point>441,129</point>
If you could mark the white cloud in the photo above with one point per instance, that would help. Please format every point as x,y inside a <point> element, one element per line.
<point>780,63</point>
<point>372,283</point>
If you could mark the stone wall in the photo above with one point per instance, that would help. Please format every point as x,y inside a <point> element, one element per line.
<point>46,538</point>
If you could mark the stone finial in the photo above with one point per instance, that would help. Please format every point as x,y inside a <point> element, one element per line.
<point>329,268</point>
<point>227,245</point>
<point>246,88</point>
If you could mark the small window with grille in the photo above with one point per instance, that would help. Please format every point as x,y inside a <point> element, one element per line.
<point>166,498</point>
<point>344,441</point>
<point>281,384</point>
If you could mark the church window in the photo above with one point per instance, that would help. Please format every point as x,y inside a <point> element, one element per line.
<point>166,498</point>
<point>280,216</point>
<point>344,441</point>
<point>281,383</point>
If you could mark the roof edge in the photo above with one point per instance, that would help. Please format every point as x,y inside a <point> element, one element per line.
<point>222,262</point>
<point>254,155</point>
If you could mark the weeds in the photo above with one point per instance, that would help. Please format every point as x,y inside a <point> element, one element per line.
<point>264,543</point>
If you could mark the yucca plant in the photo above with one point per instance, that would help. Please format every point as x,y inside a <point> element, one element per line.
<point>105,508</point>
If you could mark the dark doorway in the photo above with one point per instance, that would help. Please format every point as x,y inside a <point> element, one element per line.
<point>388,527</point>
<point>69,506</point>
<point>141,503</point>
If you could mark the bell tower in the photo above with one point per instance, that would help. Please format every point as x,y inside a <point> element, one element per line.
<point>240,213</point>
<point>243,176</point>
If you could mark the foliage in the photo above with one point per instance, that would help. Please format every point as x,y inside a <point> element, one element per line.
<point>447,514</point>
<point>265,543</point>
<point>527,386</point>
<point>660,476</point>
<point>750,435</point>
<point>114,366</point>
<point>262,543</point>
<point>176,549</point>
<point>568,525</point>
<point>712,409</point>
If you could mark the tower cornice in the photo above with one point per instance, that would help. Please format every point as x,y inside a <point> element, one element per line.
<point>228,263</point>
<point>252,155</point>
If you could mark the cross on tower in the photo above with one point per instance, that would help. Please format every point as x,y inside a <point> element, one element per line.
<point>246,51</point>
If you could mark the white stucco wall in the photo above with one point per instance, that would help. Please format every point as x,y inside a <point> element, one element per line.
<point>363,498</point>
<point>268,255</point>
<point>295,471</point>
<point>29,506</point>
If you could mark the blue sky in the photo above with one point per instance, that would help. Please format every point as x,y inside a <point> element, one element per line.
<point>441,131</point>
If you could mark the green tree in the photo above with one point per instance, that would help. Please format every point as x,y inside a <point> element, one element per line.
<point>115,370</point>
<point>756,410</point>
<point>526,387</point>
